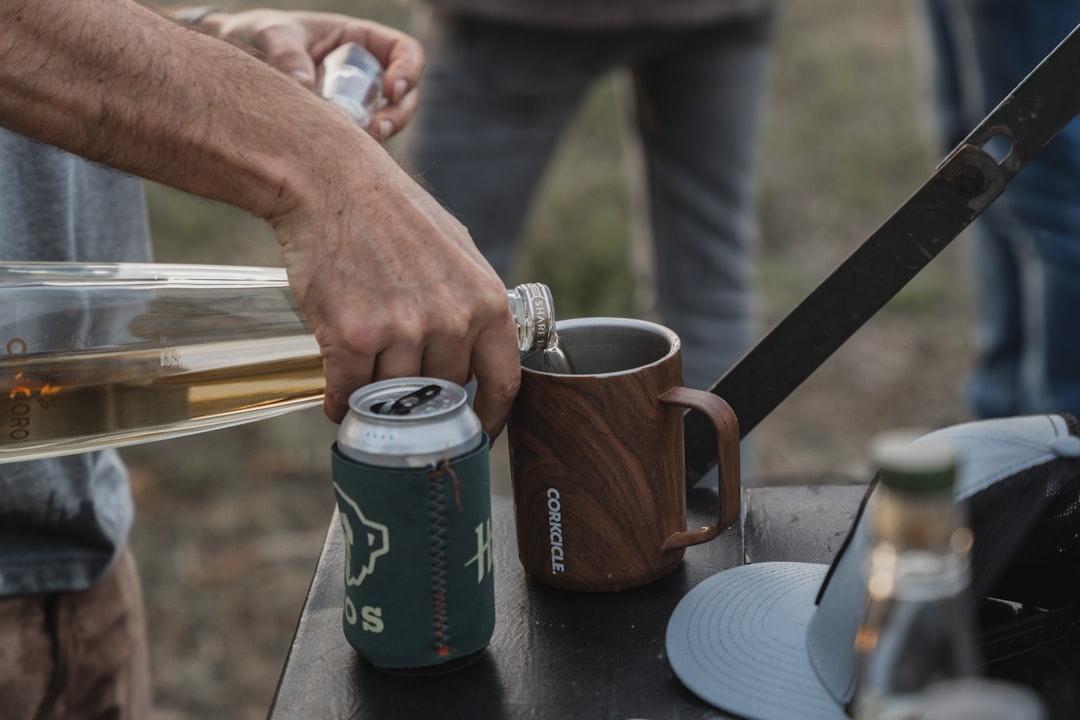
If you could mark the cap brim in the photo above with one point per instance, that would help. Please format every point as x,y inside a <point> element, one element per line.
<point>738,641</point>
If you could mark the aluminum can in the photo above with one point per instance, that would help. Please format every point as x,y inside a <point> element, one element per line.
<point>411,480</point>
<point>409,422</point>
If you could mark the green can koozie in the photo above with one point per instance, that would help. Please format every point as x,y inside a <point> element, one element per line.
<point>419,588</point>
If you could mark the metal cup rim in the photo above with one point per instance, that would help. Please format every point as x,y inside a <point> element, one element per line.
<point>656,329</point>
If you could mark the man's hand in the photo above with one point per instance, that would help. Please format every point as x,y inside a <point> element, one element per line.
<point>391,282</point>
<point>297,42</point>
<point>395,287</point>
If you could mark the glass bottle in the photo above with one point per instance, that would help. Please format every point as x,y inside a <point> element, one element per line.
<point>104,355</point>
<point>352,80</point>
<point>534,316</point>
<point>918,627</point>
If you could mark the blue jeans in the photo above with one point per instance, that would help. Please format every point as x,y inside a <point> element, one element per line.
<point>496,98</point>
<point>1027,244</point>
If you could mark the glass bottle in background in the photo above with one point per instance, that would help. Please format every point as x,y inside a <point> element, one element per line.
<point>352,80</point>
<point>919,625</point>
<point>105,355</point>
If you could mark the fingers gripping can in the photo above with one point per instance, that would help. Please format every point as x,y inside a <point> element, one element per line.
<point>410,470</point>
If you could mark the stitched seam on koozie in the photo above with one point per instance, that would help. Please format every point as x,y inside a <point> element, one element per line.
<point>437,508</point>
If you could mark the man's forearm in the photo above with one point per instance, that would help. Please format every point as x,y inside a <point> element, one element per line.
<point>390,281</point>
<point>117,83</point>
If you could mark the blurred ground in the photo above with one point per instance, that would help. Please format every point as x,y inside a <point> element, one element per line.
<point>230,523</point>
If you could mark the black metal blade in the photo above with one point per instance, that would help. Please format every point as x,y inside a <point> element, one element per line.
<point>964,185</point>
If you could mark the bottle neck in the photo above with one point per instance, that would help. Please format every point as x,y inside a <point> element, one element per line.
<point>533,311</point>
<point>921,546</point>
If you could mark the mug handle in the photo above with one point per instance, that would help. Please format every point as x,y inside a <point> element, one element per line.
<point>727,439</point>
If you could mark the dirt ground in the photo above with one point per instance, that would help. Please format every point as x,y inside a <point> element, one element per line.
<point>230,523</point>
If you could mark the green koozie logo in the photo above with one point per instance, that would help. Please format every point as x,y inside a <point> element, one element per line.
<point>371,539</point>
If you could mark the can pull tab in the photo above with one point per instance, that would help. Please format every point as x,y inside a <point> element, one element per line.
<point>405,404</point>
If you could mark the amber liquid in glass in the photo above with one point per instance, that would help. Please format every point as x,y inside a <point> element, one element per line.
<point>100,355</point>
<point>86,401</point>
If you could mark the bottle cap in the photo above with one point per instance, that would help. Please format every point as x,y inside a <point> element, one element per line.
<point>911,463</point>
<point>538,329</point>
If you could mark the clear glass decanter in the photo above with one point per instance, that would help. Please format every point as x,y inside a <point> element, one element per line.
<point>104,355</point>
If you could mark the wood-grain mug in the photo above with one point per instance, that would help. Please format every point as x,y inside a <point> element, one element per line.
<point>597,460</point>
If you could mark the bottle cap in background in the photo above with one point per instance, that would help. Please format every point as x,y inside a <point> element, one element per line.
<point>906,462</point>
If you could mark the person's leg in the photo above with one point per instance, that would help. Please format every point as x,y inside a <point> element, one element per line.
<point>698,108</point>
<point>958,93</point>
<point>994,388</point>
<point>77,655</point>
<point>495,98</point>
<point>945,77</point>
<point>1043,203</point>
<point>102,649</point>
<point>1027,260</point>
<point>26,655</point>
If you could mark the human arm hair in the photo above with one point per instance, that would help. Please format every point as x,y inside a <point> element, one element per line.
<point>122,85</point>
<point>391,282</point>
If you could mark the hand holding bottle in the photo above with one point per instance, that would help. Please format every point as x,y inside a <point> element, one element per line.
<point>297,43</point>
<point>398,291</point>
<point>391,282</point>
<point>98,355</point>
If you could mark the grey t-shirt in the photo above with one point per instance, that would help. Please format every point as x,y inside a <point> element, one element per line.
<point>604,14</point>
<point>64,520</point>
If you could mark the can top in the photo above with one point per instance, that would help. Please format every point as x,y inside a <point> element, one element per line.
<point>409,422</point>
<point>408,399</point>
